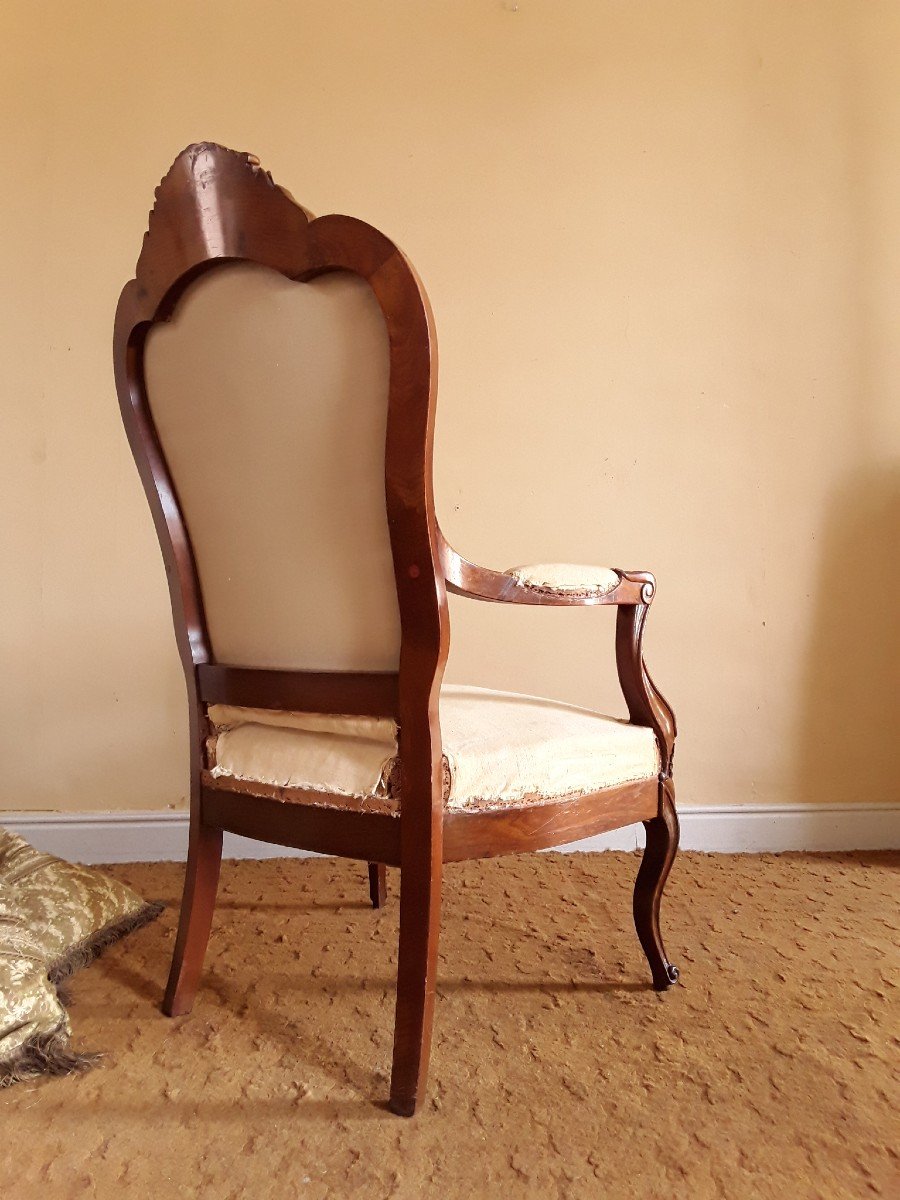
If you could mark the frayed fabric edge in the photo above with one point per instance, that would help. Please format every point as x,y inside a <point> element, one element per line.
<point>49,1054</point>
<point>92,947</point>
<point>44,1054</point>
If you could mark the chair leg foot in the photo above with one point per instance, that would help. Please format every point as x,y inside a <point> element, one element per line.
<point>659,854</point>
<point>197,904</point>
<point>419,928</point>
<point>378,884</point>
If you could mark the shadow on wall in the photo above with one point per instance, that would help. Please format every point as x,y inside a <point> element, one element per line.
<point>848,737</point>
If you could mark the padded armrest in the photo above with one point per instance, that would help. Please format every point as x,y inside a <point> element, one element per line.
<point>569,578</point>
<point>545,583</point>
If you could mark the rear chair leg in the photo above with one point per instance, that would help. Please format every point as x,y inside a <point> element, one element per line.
<point>420,901</point>
<point>661,848</point>
<point>378,884</point>
<point>197,904</point>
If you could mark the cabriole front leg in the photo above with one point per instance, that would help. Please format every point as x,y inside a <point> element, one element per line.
<point>659,854</point>
<point>648,707</point>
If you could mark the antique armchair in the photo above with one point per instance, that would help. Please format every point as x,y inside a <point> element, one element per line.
<point>277,376</point>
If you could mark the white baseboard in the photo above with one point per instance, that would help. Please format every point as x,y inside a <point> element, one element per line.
<point>151,836</point>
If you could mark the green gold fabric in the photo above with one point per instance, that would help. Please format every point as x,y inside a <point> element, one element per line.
<point>54,918</point>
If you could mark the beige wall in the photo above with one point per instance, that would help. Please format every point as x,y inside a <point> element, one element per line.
<point>662,245</point>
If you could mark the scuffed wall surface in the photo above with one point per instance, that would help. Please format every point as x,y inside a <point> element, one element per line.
<point>662,247</point>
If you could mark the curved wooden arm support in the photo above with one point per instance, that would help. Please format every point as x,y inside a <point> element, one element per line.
<point>646,703</point>
<point>633,596</point>
<point>481,583</point>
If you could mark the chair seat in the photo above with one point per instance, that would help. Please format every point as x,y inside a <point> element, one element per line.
<point>501,750</point>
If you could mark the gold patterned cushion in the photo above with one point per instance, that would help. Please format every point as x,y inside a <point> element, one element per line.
<point>54,918</point>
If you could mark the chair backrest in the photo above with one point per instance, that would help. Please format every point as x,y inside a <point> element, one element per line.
<point>276,379</point>
<point>270,400</point>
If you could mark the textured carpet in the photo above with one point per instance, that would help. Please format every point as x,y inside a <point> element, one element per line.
<point>556,1072</point>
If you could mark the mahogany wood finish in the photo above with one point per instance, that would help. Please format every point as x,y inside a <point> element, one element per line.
<point>659,854</point>
<point>256,812</point>
<point>201,882</point>
<point>216,206</point>
<point>358,694</point>
<point>378,884</point>
<point>487,834</point>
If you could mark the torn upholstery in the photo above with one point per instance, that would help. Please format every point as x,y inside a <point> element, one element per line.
<point>500,749</point>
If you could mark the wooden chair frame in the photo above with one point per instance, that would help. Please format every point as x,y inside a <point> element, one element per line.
<point>217,206</point>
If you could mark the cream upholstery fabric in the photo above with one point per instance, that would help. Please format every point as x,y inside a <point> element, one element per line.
<point>270,399</point>
<point>501,749</point>
<point>566,577</point>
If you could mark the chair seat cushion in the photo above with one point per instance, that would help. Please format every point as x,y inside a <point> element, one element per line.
<point>500,749</point>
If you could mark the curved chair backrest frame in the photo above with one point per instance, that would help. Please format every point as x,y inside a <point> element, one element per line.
<point>217,206</point>
<point>269,397</point>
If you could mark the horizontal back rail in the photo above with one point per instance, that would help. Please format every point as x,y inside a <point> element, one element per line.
<point>348,693</point>
<point>370,837</point>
